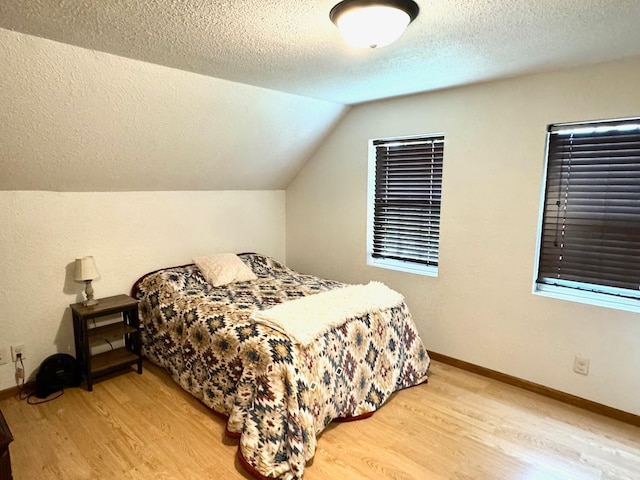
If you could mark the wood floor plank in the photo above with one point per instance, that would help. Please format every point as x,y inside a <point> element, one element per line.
<point>458,426</point>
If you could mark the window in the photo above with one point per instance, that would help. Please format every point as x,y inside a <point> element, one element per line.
<point>589,244</point>
<point>405,189</point>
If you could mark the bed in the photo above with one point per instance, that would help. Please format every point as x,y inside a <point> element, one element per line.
<point>277,391</point>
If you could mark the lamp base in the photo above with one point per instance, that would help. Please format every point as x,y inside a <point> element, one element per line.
<point>89,302</point>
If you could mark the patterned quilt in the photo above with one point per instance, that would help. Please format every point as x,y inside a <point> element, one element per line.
<point>278,395</point>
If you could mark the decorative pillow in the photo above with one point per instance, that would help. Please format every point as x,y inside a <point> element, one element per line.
<point>224,268</point>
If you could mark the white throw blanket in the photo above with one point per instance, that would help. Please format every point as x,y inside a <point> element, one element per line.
<point>304,319</point>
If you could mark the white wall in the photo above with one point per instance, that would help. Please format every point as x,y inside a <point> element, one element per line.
<point>480,309</point>
<point>128,233</point>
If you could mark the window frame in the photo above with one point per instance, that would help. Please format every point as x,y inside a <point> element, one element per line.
<point>600,295</point>
<point>387,263</point>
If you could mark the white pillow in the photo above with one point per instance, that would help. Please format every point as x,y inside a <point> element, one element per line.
<point>224,268</point>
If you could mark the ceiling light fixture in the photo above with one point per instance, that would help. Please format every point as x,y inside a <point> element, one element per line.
<point>373,23</point>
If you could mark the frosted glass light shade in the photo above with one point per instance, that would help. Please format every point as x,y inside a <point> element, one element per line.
<point>373,24</point>
<point>85,269</point>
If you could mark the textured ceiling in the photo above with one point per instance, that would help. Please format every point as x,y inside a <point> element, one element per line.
<point>291,45</point>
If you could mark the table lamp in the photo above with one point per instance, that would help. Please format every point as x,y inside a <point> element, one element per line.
<point>85,272</point>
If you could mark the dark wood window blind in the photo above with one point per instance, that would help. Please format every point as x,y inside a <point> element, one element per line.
<point>408,191</point>
<point>591,219</point>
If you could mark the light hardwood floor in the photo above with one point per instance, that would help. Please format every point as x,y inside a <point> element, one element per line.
<point>458,426</point>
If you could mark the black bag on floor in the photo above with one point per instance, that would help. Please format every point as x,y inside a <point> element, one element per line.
<point>57,372</point>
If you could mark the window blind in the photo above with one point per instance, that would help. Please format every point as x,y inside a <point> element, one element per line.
<point>408,190</point>
<point>591,220</point>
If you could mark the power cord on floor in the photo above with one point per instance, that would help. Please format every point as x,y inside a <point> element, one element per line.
<point>31,401</point>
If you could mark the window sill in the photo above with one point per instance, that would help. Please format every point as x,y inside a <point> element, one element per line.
<point>589,298</point>
<point>406,267</point>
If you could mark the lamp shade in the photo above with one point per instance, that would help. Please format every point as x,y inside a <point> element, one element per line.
<point>85,269</point>
<point>373,23</point>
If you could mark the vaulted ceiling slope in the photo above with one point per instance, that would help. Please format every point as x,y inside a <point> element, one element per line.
<point>73,119</point>
<point>291,45</point>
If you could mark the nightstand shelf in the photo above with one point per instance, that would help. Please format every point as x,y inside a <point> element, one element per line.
<point>112,360</point>
<point>108,333</point>
<point>113,325</point>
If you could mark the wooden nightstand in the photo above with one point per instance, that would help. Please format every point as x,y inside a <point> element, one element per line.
<point>119,337</point>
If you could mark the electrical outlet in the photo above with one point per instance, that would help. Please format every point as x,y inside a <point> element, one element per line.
<point>17,349</point>
<point>581,365</point>
<point>4,355</point>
